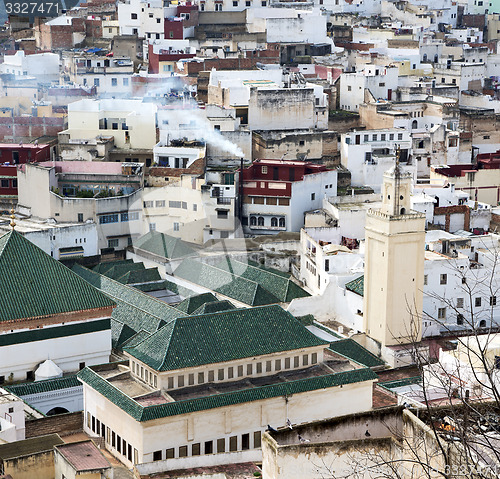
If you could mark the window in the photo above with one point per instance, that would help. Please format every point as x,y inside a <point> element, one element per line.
<point>268,366</point>
<point>222,214</point>
<point>425,279</point>
<point>264,170</point>
<point>274,222</point>
<point>240,371</point>
<point>314,358</point>
<point>133,16</point>
<point>460,319</point>
<point>349,88</point>
<point>296,362</point>
<point>460,303</point>
<point>374,137</point>
<point>131,216</point>
<point>313,196</point>
<point>220,374</point>
<point>160,203</point>
<point>201,378</point>
<point>96,81</point>
<point>170,383</point>
<point>493,300</point>
<point>230,372</point>
<point>248,3</point>
<point>277,365</point>
<point>441,313</point>
<point>257,439</point>
<point>249,369</point>
<point>391,136</point>
<point>264,3</point>
<point>305,360</point>
<point>158,20</point>
<point>195,449</point>
<point>259,368</point>
<point>221,445</point>
<point>209,447</point>
<point>282,222</point>
<point>183,451</point>
<point>148,204</point>
<point>245,442</point>
<point>157,456</point>
<point>80,217</point>
<point>443,279</point>
<point>113,243</point>
<point>233,443</point>
<point>170,453</point>
<point>287,363</point>
<point>195,207</point>
<point>191,379</point>
<point>152,226</point>
<point>400,136</point>
<point>176,226</point>
<point>260,221</point>
<point>114,81</point>
<point>211,376</point>
<point>235,3</point>
<point>105,219</point>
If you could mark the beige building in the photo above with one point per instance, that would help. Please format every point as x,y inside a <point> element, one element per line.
<point>358,445</point>
<point>201,389</point>
<point>394,265</point>
<point>131,123</point>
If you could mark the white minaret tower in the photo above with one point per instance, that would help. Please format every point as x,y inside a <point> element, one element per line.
<point>394,264</point>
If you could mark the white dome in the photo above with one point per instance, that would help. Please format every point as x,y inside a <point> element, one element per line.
<point>48,370</point>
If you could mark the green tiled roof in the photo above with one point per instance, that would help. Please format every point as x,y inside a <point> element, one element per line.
<point>224,282</point>
<point>270,270</point>
<point>214,307</point>
<point>352,350</point>
<point>34,284</point>
<point>194,302</point>
<point>281,287</point>
<point>103,267</point>
<point>128,272</point>
<point>45,386</point>
<point>136,338</point>
<point>135,309</point>
<point>71,329</point>
<point>164,245</point>
<point>357,285</point>
<point>148,413</point>
<point>225,336</point>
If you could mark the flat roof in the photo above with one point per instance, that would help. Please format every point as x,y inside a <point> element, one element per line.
<point>83,456</point>
<point>27,447</point>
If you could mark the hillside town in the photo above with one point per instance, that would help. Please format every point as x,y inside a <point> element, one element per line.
<point>250,238</point>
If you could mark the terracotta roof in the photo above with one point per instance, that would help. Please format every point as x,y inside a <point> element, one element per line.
<point>83,456</point>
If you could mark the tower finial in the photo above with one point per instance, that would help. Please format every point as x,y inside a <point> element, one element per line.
<point>12,218</point>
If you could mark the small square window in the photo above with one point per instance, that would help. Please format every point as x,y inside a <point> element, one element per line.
<point>443,278</point>
<point>477,302</point>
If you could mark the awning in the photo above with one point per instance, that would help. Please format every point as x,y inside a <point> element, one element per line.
<point>73,252</point>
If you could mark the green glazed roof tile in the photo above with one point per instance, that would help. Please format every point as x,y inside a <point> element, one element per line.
<point>224,336</point>
<point>35,285</point>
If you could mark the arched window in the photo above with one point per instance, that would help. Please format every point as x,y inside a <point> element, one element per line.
<point>425,58</point>
<point>253,221</point>
<point>482,323</point>
<point>282,222</point>
<point>414,124</point>
<point>274,221</point>
<point>260,221</point>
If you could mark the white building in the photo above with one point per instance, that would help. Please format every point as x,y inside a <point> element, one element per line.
<point>367,154</point>
<point>380,80</point>
<point>39,65</point>
<point>51,313</point>
<point>276,194</point>
<point>137,17</point>
<point>204,386</point>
